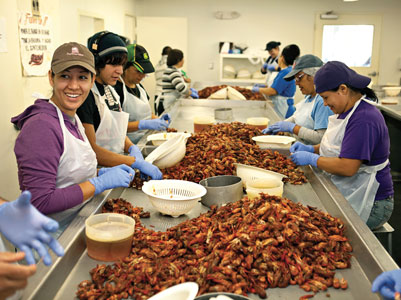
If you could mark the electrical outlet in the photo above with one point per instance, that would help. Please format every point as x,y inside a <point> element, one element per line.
<point>211,66</point>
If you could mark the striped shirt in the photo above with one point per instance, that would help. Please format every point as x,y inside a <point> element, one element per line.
<point>173,82</point>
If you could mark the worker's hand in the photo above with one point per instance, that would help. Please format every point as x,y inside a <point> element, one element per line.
<point>271,68</point>
<point>166,117</point>
<point>135,152</point>
<point>13,277</point>
<point>298,146</point>
<point>154,124</point>
<point>255,88</point>
<point>261,85</point>
<point>388,283</point>
<point>282,126</point>
<point>147,169</point>
<point>303,158</point>
<point>122,167</point>
<point>24,226</point>
<point>194,93</point>
<point>112,178</point>
<point>265,65</point>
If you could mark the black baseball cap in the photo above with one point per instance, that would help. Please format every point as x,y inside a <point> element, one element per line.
<point>272,45</point>
<point>139,57</point>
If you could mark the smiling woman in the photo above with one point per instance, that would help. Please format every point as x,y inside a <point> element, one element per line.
<point>56,162</point>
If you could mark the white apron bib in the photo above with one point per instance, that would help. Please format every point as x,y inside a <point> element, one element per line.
<point>77,164</point>
<point>169,100</point>
<point>303,112</point>
<point>112,129</point>
<point>138,109</point>
<point>360,190</point>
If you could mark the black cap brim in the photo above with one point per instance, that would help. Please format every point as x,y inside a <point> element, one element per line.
<point>145,66</point>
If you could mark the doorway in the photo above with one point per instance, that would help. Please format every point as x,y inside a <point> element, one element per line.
<point>352,39</point>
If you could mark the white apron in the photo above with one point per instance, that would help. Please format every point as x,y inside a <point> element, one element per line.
<point>169,100</point>
<point>360,190</point>
<point>138,109</point>
<point>303,113</point>
<point>77,164</point>
<point>112,129</point>
<point>270,77</point>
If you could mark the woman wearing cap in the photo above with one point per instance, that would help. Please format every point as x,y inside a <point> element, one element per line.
<point>281,91</point>
<point>134,97</point>
<point>271,63</point>
<point>356,146</point>
<point>174,85</point>
<point>309,122</point>
<point>56,162</point>
<point>101,114</point>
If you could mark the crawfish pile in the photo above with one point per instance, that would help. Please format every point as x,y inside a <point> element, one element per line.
<point>243,247</point>
<point>214,151</point>
<point>121,206</point>
<point>248,94</point>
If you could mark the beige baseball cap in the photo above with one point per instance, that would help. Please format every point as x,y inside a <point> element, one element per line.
<point>72,54</point>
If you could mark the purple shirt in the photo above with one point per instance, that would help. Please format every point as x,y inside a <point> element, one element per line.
<point>366,138</point>
<point>38,149</point>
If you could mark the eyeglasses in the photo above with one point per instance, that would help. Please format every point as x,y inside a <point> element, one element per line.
<point>298,78</point>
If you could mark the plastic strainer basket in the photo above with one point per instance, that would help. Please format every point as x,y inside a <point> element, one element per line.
<point>173,197</point>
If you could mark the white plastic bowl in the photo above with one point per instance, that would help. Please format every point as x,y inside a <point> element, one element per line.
<point>392,91</point>
<point>273,141</point>
<point>182,291</point>
<point>173,197</point>
<point>247,173</point>
<point>170,152</point>
<point>270,186</point>
<point>159,138</point>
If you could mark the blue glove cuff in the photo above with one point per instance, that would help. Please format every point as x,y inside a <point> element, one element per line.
<point>95,183</point>
<point>291,127</point>
<point>314,158</point>
<point>141,125</point>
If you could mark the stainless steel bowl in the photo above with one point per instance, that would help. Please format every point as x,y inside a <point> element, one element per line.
<point>222,189</point>
<point>223,114</point>
<point>232,296</point>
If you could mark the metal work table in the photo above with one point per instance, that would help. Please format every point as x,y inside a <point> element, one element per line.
<point>369,257</point>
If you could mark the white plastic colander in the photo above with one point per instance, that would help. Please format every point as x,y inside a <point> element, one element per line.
<point>173,197</point>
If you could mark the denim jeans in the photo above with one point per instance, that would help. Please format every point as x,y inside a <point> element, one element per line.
<point>381,212</point>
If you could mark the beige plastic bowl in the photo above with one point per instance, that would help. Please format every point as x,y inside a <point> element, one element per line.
<point>270,186</point>
<point>260,123</point>
<point>392,91</point>
<point>274,141</point>
<point>248,173</point>
<point>159,138</point>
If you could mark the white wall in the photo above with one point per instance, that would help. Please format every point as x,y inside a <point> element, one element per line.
<point>288,21</point>
<point>16,90</point>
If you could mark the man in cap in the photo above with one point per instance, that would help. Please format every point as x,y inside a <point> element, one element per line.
<point>101,114</point>
<point>271,63</point>
<point>309,122</point>
<point>134,97</point>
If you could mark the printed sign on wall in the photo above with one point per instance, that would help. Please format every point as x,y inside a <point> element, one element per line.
<point>36,43</point>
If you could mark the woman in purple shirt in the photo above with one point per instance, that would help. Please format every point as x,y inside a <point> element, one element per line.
<point>356,146</point>
<point>55,159</point>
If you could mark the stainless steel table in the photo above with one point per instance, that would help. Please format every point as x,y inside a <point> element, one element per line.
<point>370,258</point>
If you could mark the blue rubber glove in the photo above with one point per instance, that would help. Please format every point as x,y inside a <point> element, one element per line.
<point>298,146</point>
<point>271,68</point>
<point>135,152</point>
<point>302,158</point>
<point>24,226</point>
<point>114,177</point>
<point>265,65</point>
<point>282,126</point>
<point>147,169</point>
<point>166,117</point>
<point>261,85</point>
<point>122,167</point>
<point>255,89</point>
<point>154,124</point>
<point>194,93</point>
<point>388,283</point>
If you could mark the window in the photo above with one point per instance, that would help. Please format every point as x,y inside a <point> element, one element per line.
<point>351,44</point>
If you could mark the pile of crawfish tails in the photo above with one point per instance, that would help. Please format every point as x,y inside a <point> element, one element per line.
<point>242,247</point>
<point>215,150</point>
